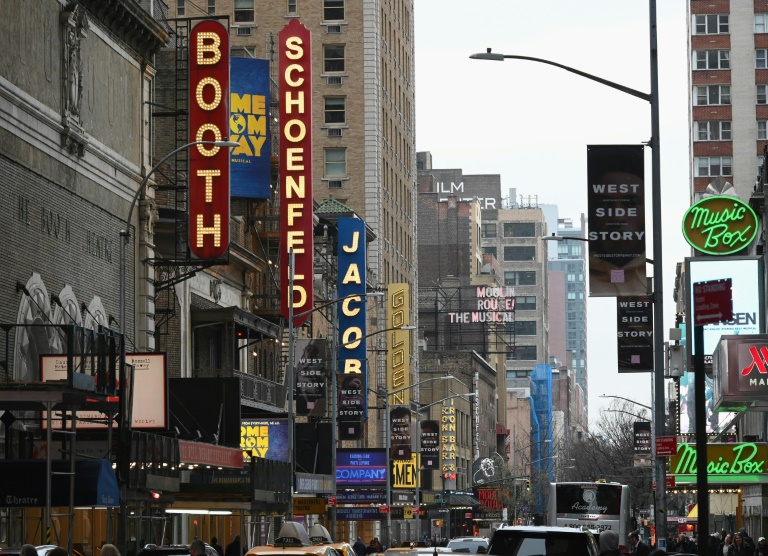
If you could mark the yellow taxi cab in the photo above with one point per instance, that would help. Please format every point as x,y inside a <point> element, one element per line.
<point>293,540</point>
<point>318,534</point>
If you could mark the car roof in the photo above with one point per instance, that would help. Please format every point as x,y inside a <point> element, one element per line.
<point>311,550</point>
<point>541,529</point>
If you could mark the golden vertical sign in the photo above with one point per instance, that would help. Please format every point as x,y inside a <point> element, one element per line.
<point>399,354</point>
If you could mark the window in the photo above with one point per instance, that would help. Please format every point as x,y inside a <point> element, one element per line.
<point>714,130</point>
<point>521,328</point>
<point>519,253</point>
<point>711,59</point>
<point>711,24</point>
<point>762,94</point>
<point>333,57</point>
<point>523,353</point>
<point>760,58</point>
<point>243,11</point>
<point>292,6</point>
<point>335,112</point>
<point>761,130</point>
<point>211,7</point>
<point>519,229</point>
<point>519,278</point>
<point>706,95</point>
<point>335,162</point>
<point>761,23</point>
<point>490,251</point>
<point>181,8</point>
<point>333,10</point>
<point>525,303</point>
<point>488,229</point>
<point>713,166</point>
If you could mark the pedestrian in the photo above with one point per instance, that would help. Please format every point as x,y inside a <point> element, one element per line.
<point>109,550</point>
<point>197,548</point>
<point>28,550</point>
<point>636,546</point>
<point>747,539</point>
<point>725,548</point>
<point>740,548</point>
<point>216,546</point>
<point>609,543</point>
<point>234,548</point>
<point>762,547</point>
<point>359,547</point>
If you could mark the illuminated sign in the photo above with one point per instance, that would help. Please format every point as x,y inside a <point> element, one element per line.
<point>399,355</point>
<point>725,462</point>
<point>208,121</point>
<point>265,438</point>
<point>494,304</point>
<point>352,328</point>
<point>250,170</point>
<point>740,373</point>
<point>720,225</point>
<point>405,474</point>
<point>355,467</point>
<point>296,220</point>
<point>448,444</point>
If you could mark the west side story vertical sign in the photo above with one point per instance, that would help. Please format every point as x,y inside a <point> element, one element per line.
<point>616,207</point>
<point>634,334</point>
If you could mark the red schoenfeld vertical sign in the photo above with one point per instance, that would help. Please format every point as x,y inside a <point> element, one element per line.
<point>296,227</point>
<point>208,121</point>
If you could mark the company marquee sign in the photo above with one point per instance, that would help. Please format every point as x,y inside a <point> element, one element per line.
<point>208,121</point>
<point>743,462</point>
<point>720,225</point>
<point>740,373</point>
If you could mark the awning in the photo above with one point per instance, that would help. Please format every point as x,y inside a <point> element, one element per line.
<point>239,317</point>
<point>457,499</point>
<point>95,484</point>
<point>694,511</point>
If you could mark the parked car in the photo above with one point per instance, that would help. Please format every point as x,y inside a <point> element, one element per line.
<point>171,550</point>
<point>468,545</point>
<point>542,541</point>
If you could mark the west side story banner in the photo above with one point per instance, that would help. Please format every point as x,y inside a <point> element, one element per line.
<point>616,208</point>
<point>634,334</point>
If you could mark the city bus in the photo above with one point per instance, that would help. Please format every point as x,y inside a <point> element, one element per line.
<point>595,506</point>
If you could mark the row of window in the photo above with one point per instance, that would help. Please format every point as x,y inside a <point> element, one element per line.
<point>333,10</point>
<point>709,95</point>
<point>721,59</point>
<point>521,253</point>
<point>720,130</point>
<point>718,24</point>
<point>510,229</point>
<point>710,166</point>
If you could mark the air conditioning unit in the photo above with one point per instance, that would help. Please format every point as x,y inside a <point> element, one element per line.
<point>244,31</point>
<point>335,132</point>
<point>333,80</point>
<point>333,29</point>
<point>334,184</point>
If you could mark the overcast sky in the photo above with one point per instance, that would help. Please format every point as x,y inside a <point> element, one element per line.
<point>530,123</point>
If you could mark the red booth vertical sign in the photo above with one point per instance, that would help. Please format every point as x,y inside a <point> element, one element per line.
<point>208,121</point>
<point>296,226</point>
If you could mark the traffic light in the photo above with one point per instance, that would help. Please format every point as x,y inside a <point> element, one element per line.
<point>528,485</point>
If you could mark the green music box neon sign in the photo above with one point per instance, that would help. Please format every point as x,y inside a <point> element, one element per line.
<point>744,462</point>
<point>720,225</point>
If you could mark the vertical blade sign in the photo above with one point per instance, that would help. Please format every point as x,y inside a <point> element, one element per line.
<point>208,120</point>
<point>296,226</point>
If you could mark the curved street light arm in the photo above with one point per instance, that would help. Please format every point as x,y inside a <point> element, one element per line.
<point>649,408</point>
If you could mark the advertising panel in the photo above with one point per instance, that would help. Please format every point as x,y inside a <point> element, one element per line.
<point>250,170</point>
<point>430,444</point>
<point>208,121</point>
<point>732,463</point>
<point>367,514</point>
<point>448,444</point>
<point>149,410</point>
<point>296,209</point>
<point>352,328</point>
<point>720,225</point>
<point>361,468</point>
<point>400,432</point>
<point>405,473</point>
<point>740,373</point>
<point>642,430</point>
<point>616,207</point>
<point>310,356</point>
<point>399,354</point>
<point>265,438</point>
<point>634,334</point>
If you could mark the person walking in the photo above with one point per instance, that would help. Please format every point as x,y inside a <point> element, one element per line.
<point>761,549</point>
<point>636,546</point>
<point>216,546</point>
<point>609,543</point>
<point>234,548</point>
<point>197,548</point>
<point>359,547</point>
<point>740,548</point>
<point>28,550</point>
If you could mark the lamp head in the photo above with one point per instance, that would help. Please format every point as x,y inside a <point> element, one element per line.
<point>488,55</point>
<point>226,144</point>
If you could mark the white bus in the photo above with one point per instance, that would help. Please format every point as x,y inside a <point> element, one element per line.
<point>594,506</point>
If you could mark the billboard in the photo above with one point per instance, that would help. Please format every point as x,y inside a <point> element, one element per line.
<point>310,355</point>
<point>634,334</point>
<point>249,169</point>
<point>740,373</point>
<point>400,432</point>
<point>296,209</point>
<point>430,444</point>
<point>208,121</point>
<point>616,213</point>
<point>399,353</point>
<point>642,447</point>
<point>265,438</point>
<point>361,467</point>
<point>352,328</point>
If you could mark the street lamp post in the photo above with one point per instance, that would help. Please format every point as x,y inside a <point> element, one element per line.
<point>125,237</point>
<point>388,443</point>
<point>658,288</point>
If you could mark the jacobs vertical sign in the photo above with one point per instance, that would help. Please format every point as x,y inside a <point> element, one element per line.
<point>208,121</point>
<point>296,226</point>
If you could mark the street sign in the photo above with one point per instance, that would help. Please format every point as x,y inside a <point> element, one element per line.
<point>331,500</point>
<point>384,509</point>
<point>670,481</point>
<point>712,302</point>
<point>666,446</point>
